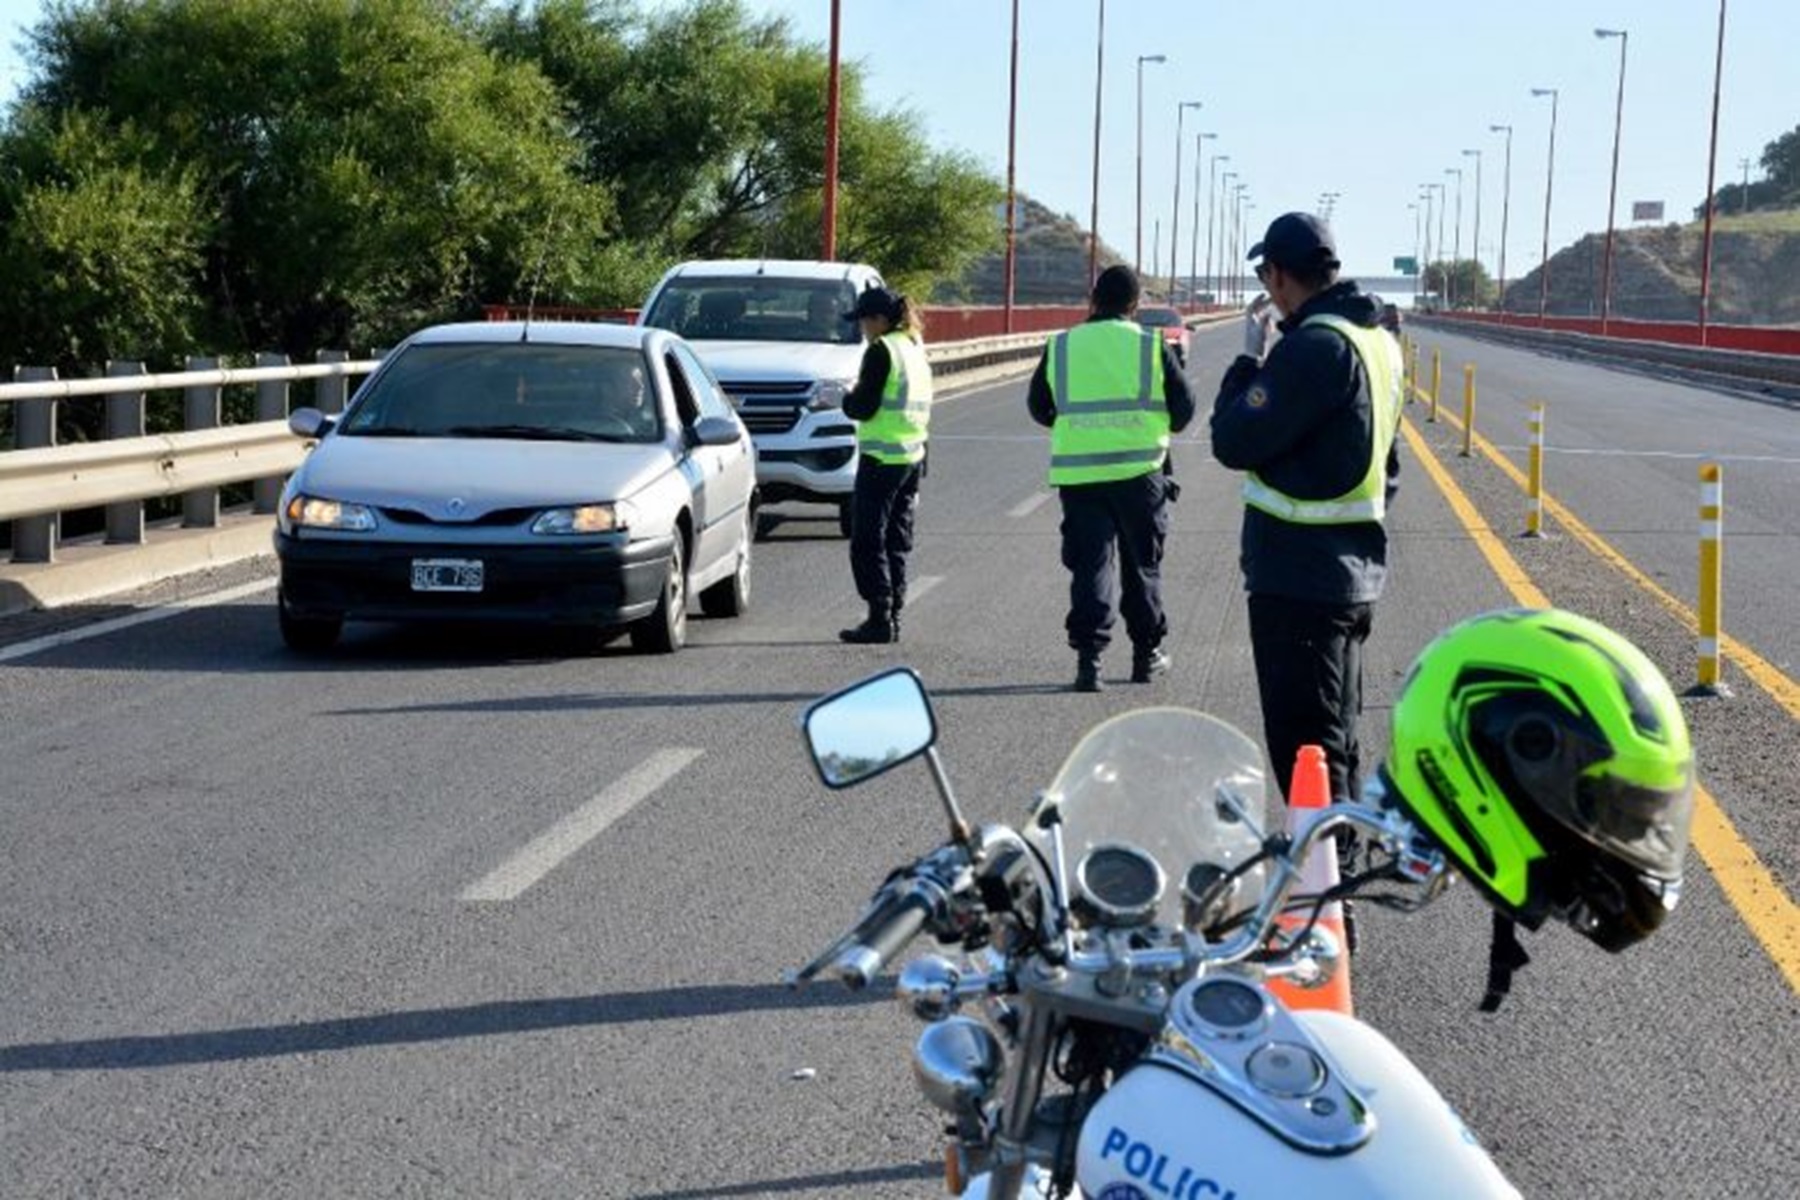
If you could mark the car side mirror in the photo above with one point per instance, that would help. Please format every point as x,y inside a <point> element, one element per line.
<point>309,423</point>
<point>715,431</point>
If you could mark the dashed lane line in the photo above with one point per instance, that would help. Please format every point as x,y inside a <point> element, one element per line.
<point>1029,505</point>
<point>548,850</point>
<point>1770,913</point>
<point>920,586</point>
<point>67,637</point>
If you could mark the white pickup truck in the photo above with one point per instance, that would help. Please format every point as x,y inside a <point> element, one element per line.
<point>773,332</point>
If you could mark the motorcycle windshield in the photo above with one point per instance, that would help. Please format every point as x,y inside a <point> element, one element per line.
<point>1184,787</point>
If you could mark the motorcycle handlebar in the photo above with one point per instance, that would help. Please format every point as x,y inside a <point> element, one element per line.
<point>893,923</point>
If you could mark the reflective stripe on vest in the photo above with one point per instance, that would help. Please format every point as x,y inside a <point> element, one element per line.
<point>1367,501</point>
<point>1106,378</point>
<point>896,433</point>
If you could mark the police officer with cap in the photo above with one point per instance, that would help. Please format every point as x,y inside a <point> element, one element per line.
<point>891,405</point>
<point>1311,420</point>
<point>1111,393</point>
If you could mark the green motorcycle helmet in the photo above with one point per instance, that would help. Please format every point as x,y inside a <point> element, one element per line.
<point>1549,759</point>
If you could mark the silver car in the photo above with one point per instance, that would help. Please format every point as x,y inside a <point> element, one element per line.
<point>580,474</point>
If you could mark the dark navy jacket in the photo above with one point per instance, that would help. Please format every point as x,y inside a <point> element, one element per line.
<point>1304,422</point>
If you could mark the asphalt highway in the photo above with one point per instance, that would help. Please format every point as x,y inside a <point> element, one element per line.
<point>455,913</point>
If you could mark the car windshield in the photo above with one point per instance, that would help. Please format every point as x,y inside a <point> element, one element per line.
<point>535,391</point>
<point>1160,318</point>
<point>757,309</point>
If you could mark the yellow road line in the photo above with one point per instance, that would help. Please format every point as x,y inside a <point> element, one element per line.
<point>1764,673</point>
<point>1771,914</point>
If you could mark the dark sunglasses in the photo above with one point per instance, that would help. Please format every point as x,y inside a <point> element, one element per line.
<point>1262,271</point>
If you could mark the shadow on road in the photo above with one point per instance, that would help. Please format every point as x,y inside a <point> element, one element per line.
<point>425,1025</point>
<point>834,1184</point>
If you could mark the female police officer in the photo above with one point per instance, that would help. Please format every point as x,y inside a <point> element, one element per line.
<point>891,405</point>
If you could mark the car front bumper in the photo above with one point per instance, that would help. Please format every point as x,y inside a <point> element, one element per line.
<point>564,584</point>
<point>813,460</point>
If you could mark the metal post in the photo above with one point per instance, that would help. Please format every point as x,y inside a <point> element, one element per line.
<point>1012,196</point>
<point>1505,208</point>
<point>1534,488</point>
<point>271,405</point>
<point>330,391</point>
<point>1094,216</point>
<point>1456,253</point>
<point>1613,194</point>
<point>125,419</point>
<point>34,427</point>
<point>200,410</point>
<point>1475,244</point>
<point>1437,382</point>
<point>1175,211</point>
<point>1712,159</point>
<point>1712,551</point>
<point>832,91</point>
<point>1549,183</point>
<point>1137,259</point>
<point>1468,409</point>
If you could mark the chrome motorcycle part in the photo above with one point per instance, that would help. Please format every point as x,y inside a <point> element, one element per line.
<point>957,1062</point>
<point>1230,1035</point>
<point>928,986</point>
<point>1118,886</point>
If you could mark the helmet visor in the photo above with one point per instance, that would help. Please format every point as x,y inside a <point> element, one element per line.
<point>1645,826</point>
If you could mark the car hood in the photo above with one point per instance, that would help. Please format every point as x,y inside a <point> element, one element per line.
<point>779,360</point>
<point>466,478</point>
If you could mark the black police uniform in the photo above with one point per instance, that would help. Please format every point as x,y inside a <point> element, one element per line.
<point>1304,421</point>
<point>883,505</point>
<point>1131,513</point>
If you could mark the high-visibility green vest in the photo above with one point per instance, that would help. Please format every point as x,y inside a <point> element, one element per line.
<point>1112,422</point>
<point>1367,501</point>
<point>896,433</point>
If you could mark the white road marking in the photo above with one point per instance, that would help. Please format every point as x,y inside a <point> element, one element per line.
<point>920,586</point>
<point>100,628</point>
<point>546,851</point>
<point>1675,454</point>
<point>1029,505</point>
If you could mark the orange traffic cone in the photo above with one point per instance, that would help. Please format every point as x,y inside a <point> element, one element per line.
<point>1311,790</point>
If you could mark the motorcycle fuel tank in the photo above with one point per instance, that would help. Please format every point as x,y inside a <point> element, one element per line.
<point>1161,1134</point>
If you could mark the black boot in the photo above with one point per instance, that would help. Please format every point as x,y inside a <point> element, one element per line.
<point>1087,672</point>
<point>877,628</point>
<point>1147,663</point>
<point>894,606</point>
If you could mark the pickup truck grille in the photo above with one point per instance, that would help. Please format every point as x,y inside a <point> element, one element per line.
<point>768,418</point>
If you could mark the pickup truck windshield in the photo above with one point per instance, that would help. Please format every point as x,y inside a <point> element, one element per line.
<point>757,309</point>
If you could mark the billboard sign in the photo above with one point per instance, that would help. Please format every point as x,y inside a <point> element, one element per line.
<point>1647,210</point>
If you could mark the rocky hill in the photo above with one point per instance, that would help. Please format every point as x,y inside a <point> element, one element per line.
<point>1052,263</point>
<point>1656,273</point>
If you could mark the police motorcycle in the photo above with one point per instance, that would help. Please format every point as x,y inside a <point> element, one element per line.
<point>1121,944</point>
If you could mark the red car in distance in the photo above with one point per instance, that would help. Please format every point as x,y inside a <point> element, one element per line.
<point>1172,326</point>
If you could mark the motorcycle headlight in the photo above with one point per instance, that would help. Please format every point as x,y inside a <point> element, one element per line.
<point>583,518</point>
<point>830,393</point>
<point>312,512</point>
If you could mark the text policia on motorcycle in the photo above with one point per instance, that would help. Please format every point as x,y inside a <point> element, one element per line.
<point>1122,941</point>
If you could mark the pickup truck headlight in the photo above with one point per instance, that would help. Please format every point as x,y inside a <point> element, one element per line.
<point>829,393</point>
<point>583,518</point>
<point>312,512</point>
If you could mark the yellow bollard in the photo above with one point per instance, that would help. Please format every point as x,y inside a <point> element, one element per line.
<point>1534,490</point>
<point>1437,382</point>
<point>1412,371</point>
<point>1712,549</point>
<point>1468,445</point>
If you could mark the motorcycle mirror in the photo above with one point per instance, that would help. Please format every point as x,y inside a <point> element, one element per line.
<point>869,727</point>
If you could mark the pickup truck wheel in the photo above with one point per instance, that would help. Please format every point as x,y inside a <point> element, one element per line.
<point>665,630</point>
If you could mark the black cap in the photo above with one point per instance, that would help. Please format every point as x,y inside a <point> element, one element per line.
<point>876,302</point>
<point>1116,290</point>
<point>1297,240</point>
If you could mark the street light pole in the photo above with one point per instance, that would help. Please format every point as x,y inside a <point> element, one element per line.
<point>1549,181</point>
<point>1456,253</point>
<point>1200,140</point>
<point>1712,158</point>
<point>1217,283</point>
<point>1417,268</point>
<point>1505,207</point>
<point>1094,215</point>
<point>1137,261</point>
<point>1613,195</point>
<point>1744,192</point>
<point>1237,240</point>
<point>1475,244</point>
<point>832,89</point>
<point>1012,196</point>
<point>1175,213</point>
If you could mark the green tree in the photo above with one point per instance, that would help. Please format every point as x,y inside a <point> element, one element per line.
<point>1465,281</point>
<point>1781,161</point>
<point>370,165</point>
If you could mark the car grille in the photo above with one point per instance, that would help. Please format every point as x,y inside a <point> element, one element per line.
<point>768,418</point>
<point>499,517</point>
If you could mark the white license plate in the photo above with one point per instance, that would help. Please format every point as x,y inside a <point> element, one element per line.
<point>446,575</point>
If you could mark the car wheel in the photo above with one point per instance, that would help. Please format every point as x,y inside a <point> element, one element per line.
<point>309,635</point>
<point>846,518</point>
<point>665,630</point>
<point>731,597</point>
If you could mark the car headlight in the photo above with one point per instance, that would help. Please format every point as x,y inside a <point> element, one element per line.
<point>311,512</point>
<point>829,393</point>
<point>583,518</point>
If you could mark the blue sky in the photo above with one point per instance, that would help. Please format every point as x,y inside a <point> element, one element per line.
<point>1313,96</point>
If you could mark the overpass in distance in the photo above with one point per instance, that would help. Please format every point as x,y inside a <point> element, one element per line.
<point>238,953</point>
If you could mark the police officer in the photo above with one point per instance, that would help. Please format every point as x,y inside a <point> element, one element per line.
<point>1111,393</point>
<point>891,404</point>
<point>1311,422</point>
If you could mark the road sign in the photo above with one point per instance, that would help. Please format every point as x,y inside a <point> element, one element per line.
<point>1406,264</point>
<point>1647,210</point>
